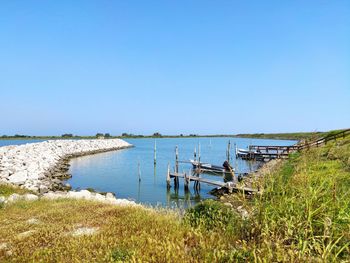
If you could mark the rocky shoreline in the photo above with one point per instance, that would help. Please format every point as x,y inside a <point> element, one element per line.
<point>107,198</point>
<point>43,167</point>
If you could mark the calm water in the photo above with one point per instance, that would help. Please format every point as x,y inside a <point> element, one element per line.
<point>17,142</point>
<point>117,171</point>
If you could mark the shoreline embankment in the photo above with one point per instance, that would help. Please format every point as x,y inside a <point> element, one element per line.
<point>42,167</point>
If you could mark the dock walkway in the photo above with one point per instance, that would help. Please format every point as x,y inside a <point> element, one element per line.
<point>231,186</point>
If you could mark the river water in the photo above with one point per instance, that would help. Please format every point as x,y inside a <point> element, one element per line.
<point>118,171</point>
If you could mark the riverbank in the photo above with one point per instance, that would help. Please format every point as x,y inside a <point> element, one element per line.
<point>302,215</point>
<point>42,167</point>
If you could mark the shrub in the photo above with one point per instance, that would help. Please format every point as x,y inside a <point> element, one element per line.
<point>210,214</point>
<point>121,255</point>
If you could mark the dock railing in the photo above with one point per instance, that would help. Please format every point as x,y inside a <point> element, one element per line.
<point>325,139</point>
<point>283,151</point>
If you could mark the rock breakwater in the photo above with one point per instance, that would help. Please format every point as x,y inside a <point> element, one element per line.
<point>108,198</point>
<point>41,167</point>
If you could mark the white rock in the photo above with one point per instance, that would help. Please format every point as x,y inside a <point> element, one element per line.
<point>4,174</point>
<point>29,164</point>
<point>30,197</point>
<point>32,175</point>
<point>32,188</point>
<point>26,234</point>
<point>244,213</point>
<point>18,178</point>
<point>14,198</point>
<point>84,231</point>
<point>83,194</point>
<point>33,221</point>
<point>2,199</point>
<point>110,195</point>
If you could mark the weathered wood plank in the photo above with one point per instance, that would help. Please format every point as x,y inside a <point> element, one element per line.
<point>212,182</point>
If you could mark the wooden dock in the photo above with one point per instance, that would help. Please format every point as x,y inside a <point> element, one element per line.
<point>194,175</point>
<point>267,152</point>
<point>231,186</point>
<point>274,148</point>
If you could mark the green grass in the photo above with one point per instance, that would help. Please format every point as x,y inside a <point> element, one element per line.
<point>304,211</point>
<point>289,136</point>
<point>7,190</point>
<point>303,215</point>
<point>284,136</point>
<point>130,234</point>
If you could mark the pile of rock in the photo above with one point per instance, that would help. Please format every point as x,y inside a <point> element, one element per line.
<point>108,198</point>
<point>41,167</point>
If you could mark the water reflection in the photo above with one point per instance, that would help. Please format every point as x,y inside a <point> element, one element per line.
<point>186,199</point>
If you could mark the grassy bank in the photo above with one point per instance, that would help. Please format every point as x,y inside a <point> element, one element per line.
<point>303,215</point>
<point>288,136</point>
<point>283,136</point>
<point>304,211</point>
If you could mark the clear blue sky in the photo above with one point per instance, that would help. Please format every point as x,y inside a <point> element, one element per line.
<point>173,66</point>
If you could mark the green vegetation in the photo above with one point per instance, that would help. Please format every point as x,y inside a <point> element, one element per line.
<point>304,211</point>
<point>289,136</point>
<point>283,136</point>
<point>7,190</point>
<point>122,233</point>
<point>211,215</point>
<point>302,215</point>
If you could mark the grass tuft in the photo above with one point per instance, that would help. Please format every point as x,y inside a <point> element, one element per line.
<point>7,190</point>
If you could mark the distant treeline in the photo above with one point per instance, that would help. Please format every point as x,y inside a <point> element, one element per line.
<point>158,135</point>
<point>280,136</point>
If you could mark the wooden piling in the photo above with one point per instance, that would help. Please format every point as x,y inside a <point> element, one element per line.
<point>168,177</point>
<point>228,151</point>
<point>139,171</point>
<point>155,152</point>
<point>199,155</point>
<point>186,182</point>
<point>195,154</point>
<point>176,159</point>
<point>197,186</point>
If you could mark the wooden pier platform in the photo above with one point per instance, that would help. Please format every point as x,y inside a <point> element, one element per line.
<point>278,151</point>
<point>264,152</point>
<point>231,186</point>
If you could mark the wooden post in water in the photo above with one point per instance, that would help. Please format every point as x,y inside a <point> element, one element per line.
<point>176,178</point>
<point>195,154</point>
<point>199,153</point>
<point>235,147</point>
<point>176,159</point>
<point>155,152</point>
<point>186,182</point>
<point>228,150</point>
<point>168,178</point>
<point>139,171</point>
